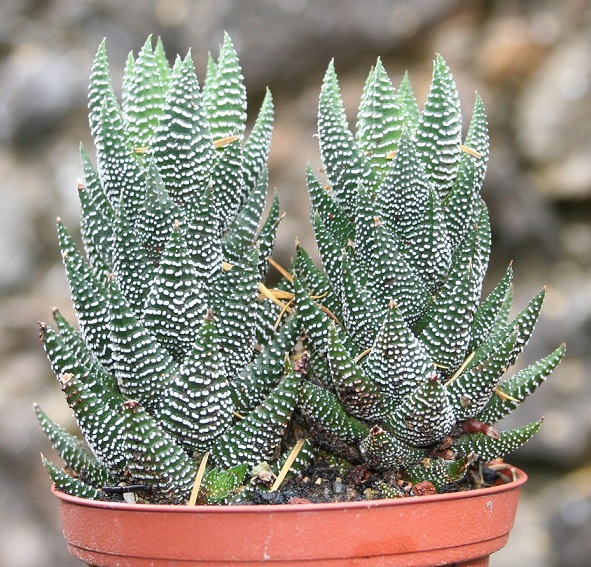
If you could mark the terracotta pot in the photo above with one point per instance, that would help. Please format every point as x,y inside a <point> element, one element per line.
<point>446,529</point>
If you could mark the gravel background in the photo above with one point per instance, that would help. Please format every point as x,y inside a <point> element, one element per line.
<point>531,62</point>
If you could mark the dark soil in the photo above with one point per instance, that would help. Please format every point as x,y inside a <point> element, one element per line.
<point>320,482</point>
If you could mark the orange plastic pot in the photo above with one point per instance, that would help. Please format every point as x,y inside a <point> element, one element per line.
<point>446,529</point>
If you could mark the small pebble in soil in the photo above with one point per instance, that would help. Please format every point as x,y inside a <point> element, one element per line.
<point>424,488</point>
<point>338,487</point>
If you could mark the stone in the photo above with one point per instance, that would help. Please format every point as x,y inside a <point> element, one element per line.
<point>553,130</point>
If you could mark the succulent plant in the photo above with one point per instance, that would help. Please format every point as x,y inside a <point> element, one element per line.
<point>176,356</point>
<point>407,363</point>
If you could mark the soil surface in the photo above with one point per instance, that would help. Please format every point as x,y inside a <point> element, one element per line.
<point>321,483</point>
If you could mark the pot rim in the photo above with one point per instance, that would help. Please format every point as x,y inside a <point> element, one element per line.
<point>521,478</point>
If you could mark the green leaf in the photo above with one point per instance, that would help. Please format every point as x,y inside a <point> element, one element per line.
<point>408,206</point>
<point>302,461</point>
<point>333,218</point>
<point>314,320</point>
<point>383,451</point>
<point>488,448</point>
<point>398,362</point>
<point>74,452</point>
<point>196,408</point>
<point>120,174</point>
<point>446,327</point>
<point>356,392</point>
<point>64,360</point>
<point>253,439</point>
<point>255,382</point>
<point>97,237</point>
<point>235,306</point>
<point>362,314</point>
<point>128,75</point>
<point>89,300</point>
<point>502,316</point>
<point>131,264</point>
<point>96,222</point>
<point>461,202</point>
<point>218,484</point>
<point>92,184</point>
<point>144,96</point>
<point>70,485</point>
<point>256,149</point>
<point>153,458</point>
<point>342,158</point>
<point>269,317</point>
<point>162,62</point>
<point>477,138</point>
<point>331,254</point>
<point>319,371</point>
<point>438,472</point>
<point>71,337</point>
<point>177,300</point>
<point>141,365</point>
<point>439,132</point>
<point>182,143</point>
<point>100,87</point>
<point>470,392</point>
<point>363,245</point>
<point>267,236</point>
<point>225,104</point>
<point>379,119</point>
<point>242,231</point>
<point>324,410</point>
<point>425,416</point>
<point>408,104</point>
<point>524,323</point>
<point>316,282</point>
<point>74,343</point>
<point>464,195</point>
<point>98,414</point>
<point>488,311</point>
<point>201,230</point>
<point>394,278</point>
<point>227,184</point>
<point>60,358</point>
<point>482,242</point>
<point>210,75</point>
<point>155,217</point>
<point>511,392</point>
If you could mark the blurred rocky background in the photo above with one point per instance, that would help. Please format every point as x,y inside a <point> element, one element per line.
<point>531,62</point>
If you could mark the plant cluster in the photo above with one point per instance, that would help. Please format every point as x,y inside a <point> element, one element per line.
<point>175,355</point>
<point>408,360</point>
<point>186,373</point>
